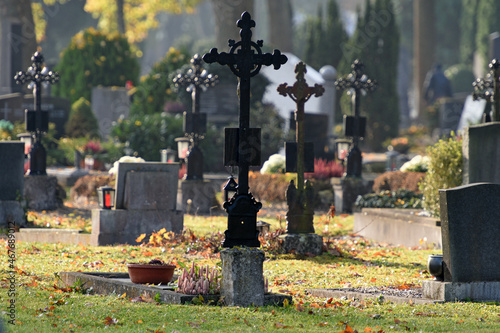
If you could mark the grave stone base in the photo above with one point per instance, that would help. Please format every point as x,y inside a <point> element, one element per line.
<point>198,196</point>
<point>302,244</point>
<point>347,190</point>
<point>461,291</point>
<point>41,192</point>
<point>122,226</point>
<point>242,276</point>
<point>11,211</point>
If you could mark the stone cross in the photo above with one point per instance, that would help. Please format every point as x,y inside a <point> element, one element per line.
<point>355,83</point>
<point>36,75</point>
<point>245,60</point>
<point>300,202</point>
<point>489,89</point>
<point>300,93</point>
<point>196,79</point>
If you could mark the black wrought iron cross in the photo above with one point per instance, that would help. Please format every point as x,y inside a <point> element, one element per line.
<point>196,79</point>
<point>355,83</point>
<point>245,60</point>
<point>37,122</point>
<point>489,89</point>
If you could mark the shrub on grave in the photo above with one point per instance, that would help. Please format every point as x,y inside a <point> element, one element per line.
<point>445,171</point>
<point>401,198</point>
<point>92,59</point>
<point>82,121</point>
<point>396,180</point>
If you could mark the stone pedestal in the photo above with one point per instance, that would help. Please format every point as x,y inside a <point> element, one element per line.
<point>242,276</point>
<point>123,226</point>
<point>302,244</point>
<point>461,291</point>
<point>40,192</point>
<point>198,196</point>
<point>347,190</point>
<point>11,212</point>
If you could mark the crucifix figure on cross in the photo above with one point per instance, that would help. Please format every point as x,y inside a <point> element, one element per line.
<point>300,200</point>
<point>242,147</point>
<point>37,121</point>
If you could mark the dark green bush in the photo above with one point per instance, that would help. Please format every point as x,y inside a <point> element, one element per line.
<point>390,199</point>
<point>156,88</point>
<point>82,121</point>
<point>95,59</point>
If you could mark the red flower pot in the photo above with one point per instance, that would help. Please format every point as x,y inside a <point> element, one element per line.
<point>150,273</point>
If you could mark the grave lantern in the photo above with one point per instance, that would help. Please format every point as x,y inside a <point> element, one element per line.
<point>342,148</point>
<point>106,197</point>
<point>230,189</point>
<point>167,155</point>
<point>182,147</point>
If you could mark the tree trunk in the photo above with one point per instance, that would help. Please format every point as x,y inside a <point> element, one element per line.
<point>226,13</point>
<point>423,48</point>
<point>280,25</point>
<point>17,41</point>
<point>120,17</point>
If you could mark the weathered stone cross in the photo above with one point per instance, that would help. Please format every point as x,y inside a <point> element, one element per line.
<point>245,60</point>
<point>299,204</point>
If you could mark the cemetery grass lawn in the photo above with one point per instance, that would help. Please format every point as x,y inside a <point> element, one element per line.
<point>44,304</point>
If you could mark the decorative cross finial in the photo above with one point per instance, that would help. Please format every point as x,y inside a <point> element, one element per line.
<point>300,91</point>
<point>489,89</point>
<point>36,73</point>
<point>196,77</point>
<point>356,79</point>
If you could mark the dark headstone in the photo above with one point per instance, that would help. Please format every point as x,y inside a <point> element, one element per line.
<point>11,170</point>
<point>450,112</point>
<point>481,153</point>
<point>220,103</point>
<point>471,232</point>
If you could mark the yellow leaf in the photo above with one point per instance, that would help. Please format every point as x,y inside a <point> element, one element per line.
<point>140,238</point>
<point>123,295</point>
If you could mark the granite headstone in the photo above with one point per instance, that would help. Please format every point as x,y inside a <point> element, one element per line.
<point>471,232</point>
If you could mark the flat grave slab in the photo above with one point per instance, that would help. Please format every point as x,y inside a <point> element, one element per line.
<point>107,283</point>
<point>397,298</point>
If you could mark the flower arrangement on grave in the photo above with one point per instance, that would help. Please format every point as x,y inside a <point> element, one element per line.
<point>275,164</point>
<point>418,163</point>
<point>199,280</point>
<point>125,159</point>
<point>400,144</point>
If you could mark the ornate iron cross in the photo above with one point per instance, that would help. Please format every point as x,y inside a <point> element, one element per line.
<point>356,82</point>
<point>245,60</point>
<point>196,79</point>
<point>37,122</point>
<point>489,89</point>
